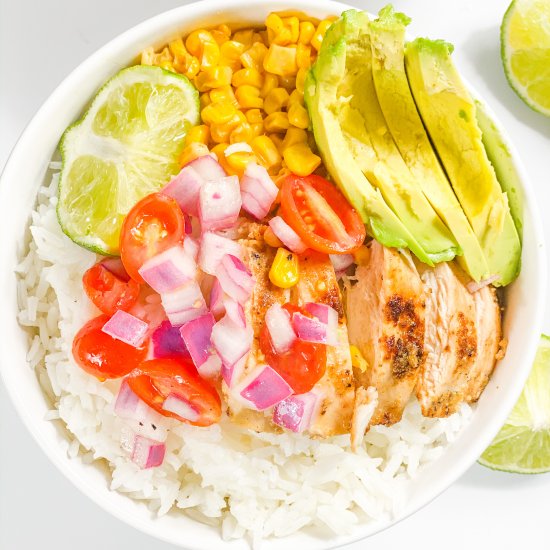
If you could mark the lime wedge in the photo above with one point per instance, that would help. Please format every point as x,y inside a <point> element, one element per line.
<point>523,444</point>
<point>525,51</point>
<point>126,146</point>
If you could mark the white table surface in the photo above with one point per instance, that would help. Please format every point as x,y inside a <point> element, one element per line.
<point>41,41</point>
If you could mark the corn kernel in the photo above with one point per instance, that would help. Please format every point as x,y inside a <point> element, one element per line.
<point>191,152</point>
<point>230,53</point>
<point>258,37</point>
<point>300,159</point>
<point>249,76</point>
<point>301,79</point>
<point>271,81</point>
<point>293,136</point>
<point>254,116</point>
<point>167,66</point>
<point>224,93</point>
<point>287,82</point>
<point>278,141</point>
<point>357,359</point>
<point>362,255</point>
<point>281,60</point>
<point>298,116</point>
<point>285,270</point>
<point>219,150</point>
<point>245,37</point>
<point>263,36</point>
<point>307,30</point>
<point>242,133</point>
<point>220,133</point>
<point>303,56</point>
<point>271,239</point>
<point>221,34</point>
<point>253,57</point>
<point>193,67</point>
<point>293,24</point>
<point>275,100</point>
<point>177,48</point>
<point>276,122</point>
<point>296,97</point>
<point>213,77</point>
<point>317,38</point>
<point>249,97</point>
<point>218,113</point>
<point>204,100</point>
<point>266,152</point>
<point>148,56</point>
<point>198,134</point>
<point>257,128</point>
<point>239,161</point>
<point>202,45</point>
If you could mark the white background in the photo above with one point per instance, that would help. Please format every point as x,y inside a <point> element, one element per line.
<point>41,41</point>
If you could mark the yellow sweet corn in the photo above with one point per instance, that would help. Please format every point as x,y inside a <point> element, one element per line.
<point>275,27</point>
<point>245,37</point>
<point>271,239</point>
<point>219,151</point>
<point>249,76</point>
<point>276,122</point>
<point>221,34</point>
<point>177,48</point>
<point>253,57</point>
<point>293,24</point>
<point>275,100</point>
<point>202,45</point>
<point>285,270</point>
<point>239,161</point>
<point>357,359</point>
<point>224,93</point>
<point>198,134</point>
<point>278,141</point>
<point>254,116</point>
<point>204,100</point>
<point>148,56</point>
<point>293,136</point>
<point>192,67</point>
<point>213,77</point>
<point>281,60</point>
<point>243,132</point>
<point>288,82</point>
<point>296,97</point>
<point>218,113</point>
<point>167,66</point>
<point>298,116</point>
<point>221,131</point>
<point>266,151</point>
<point>271,81</point>
<point>249,97</point>
<point>362,255</point>
<point>257,128</point>
<point>301,79</point>
<point>301,160</point>
<point>307,30</point>
<point>191,152</point>
<point>320,33</point>
<point>230,54</point>
<point>303,56</point>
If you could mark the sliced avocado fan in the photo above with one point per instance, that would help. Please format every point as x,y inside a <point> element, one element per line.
<point>387,35</point>
<point>449,115</point>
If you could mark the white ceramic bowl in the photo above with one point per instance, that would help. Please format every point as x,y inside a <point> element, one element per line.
<point>24,173</point>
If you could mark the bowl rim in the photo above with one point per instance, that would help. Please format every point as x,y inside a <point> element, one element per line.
<point>156,25</point>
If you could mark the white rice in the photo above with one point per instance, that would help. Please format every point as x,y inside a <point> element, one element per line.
<point>259,485</point>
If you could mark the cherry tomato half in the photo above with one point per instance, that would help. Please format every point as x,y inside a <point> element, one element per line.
<point>321,215</point>
<point>102,355</point>
<point>107,291</point>
<point>153,381</point>
<point>154,224</point>
<point>303,365</point>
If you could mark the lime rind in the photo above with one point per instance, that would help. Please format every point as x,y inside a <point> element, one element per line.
<point>134,148</point>
<point>522,445</point>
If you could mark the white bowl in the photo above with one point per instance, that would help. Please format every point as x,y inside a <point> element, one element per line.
<point>24,173</point>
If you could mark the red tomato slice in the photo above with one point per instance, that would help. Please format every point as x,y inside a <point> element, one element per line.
<point>321,215</point>
<point>153,381</point>
<point>102,355</point>
<point>303,365</point>
<point>154,224</point>
<point>108,292</point>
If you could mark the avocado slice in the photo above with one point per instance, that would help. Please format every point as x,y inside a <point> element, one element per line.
<point>368,137</point>
<point>324,105</point>
<point>449,115</point>
<point>387,35</point>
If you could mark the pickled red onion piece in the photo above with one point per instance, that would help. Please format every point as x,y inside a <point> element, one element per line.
<point>169,269</point>
<point>328,316</point>
<point>258,191</point>
<point>231,342</point>
<point>295,412</point>
<point>235,278</point>
<point>147,453</point>
<point>167,342</point>
<point>267,388</point>
<point>280,328</point>
<point>197,337</point>
<point>213,248</point>
<point>184,303</point>
<point>179,406</point>
<point>219,203</point>
<point>126,328</point>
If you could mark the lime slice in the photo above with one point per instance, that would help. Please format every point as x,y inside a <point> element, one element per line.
<point>525,51</point>
<point>523,444</point>
<point>125,147</point>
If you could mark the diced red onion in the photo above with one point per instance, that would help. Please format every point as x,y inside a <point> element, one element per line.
<point>472,286</point>
<point>177,405</point>
<point>219,203</point>
<point>184,303</point>
<point>239,147</point>
<point>309,329</point>
<point>116,267</point>
<point>211,367</point>
<point>341,262</point>
<point>196,334</point>
<point>147,453</point>
<point>188,224</point>
<point>280,328</point>
<point>287,235</point>
<point>213,248</point>
<point>230,372</point>
<point>230,341</point>
<point>167,342</point>
<point>126,328</point>
<point>234,311</point>
<point>258,190</point>
<point>185,189</point>
<point>295,412</point>
<point>323,312</point>
<point>208,168</point>
<point>169,269</point>
<point>267,388</point>
<point>191,247</point>
<point>235,278</point>
<point>217,306</point>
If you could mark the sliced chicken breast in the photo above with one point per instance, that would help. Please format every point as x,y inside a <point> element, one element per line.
<point>386,310</point>
<point>451,342</point>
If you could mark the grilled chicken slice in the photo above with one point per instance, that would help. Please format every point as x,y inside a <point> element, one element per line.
<point>490,346</point>
<point>336,387</point>
<point>386,309</point>
<point>451,341</point>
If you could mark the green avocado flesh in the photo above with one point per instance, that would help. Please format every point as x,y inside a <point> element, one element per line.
<point>449,115</point>
<point>358,148</point>
<point>387,35</point>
